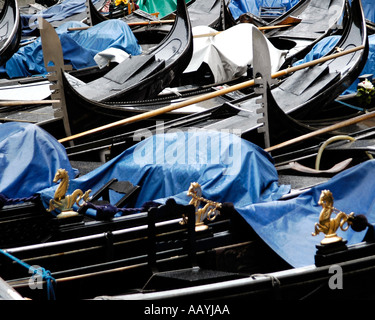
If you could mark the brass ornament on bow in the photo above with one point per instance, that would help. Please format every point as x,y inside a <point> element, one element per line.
<point>208,212</point>
<point>63,202</point>
<point>328,225</point>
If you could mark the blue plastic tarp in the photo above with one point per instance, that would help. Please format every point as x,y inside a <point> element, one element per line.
<point>29,159</point>
<point>286,226</point>
<point>369,67</point>
<point>238,7</point>
<point>328,43</point>
<point>57,12</point>
<point>228,168</point>
<point>79,48</point>
<point>320,49</point>
<point>368,9</point>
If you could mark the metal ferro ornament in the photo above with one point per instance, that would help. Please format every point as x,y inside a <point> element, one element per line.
<point>208,212</point>
<point>63,202</point>
<point>328,225</point>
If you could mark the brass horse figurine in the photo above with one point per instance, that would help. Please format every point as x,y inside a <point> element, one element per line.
<point>63,202</point>
<point>209,210</point>
<point>328,225</point>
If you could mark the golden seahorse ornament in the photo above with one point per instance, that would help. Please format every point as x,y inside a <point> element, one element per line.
<point>208,212</point>
<point>63,202</point>
<point>328,225</point>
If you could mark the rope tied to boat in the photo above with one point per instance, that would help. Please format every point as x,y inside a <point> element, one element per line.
<point>275,282</point>
<point>44,274</point>
<point>4,200</point>
<point>47,277</point>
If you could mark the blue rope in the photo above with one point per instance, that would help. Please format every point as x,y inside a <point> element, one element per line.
<point>109,211</point>
<point>45,274</point>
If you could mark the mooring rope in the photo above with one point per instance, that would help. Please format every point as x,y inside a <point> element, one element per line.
<point>4,200</point>
<point>45,274</point>
<point>108,211</point>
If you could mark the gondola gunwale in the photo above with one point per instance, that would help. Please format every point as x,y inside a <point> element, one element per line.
<point>260,285</point>
<point>163,76</point>
<point>300,7</point>
<point>9,47</point>
<point>172,60</point>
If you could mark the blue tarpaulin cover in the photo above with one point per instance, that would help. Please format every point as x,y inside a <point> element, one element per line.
<point>369,67</point>
<point>228,168</point>
<point>238,7</point>
<point>325,45</point>
<point>57,12</point>
<point>29,159</point>
<point>79,48</point>
<point>369,9</point>
<point>286,226</point>
<point>320,49</point>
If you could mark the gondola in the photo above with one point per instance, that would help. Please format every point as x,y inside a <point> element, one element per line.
<point>240,114</point>
<point>233,259</point>
<point>146,75</point>
<point>176,281</point>
<point>297,46</point>
<point>10,30</point>
<point>132,107</point>
<point>313,27</point>
<point>72,274</point>
<point>50,228</point>
<point>299,94</point>
<point>353,35</point>
<point>127,249</point>
<point>18,219</point>
<point>114,112</point>
<point>132,233</point>
<point>269,275</point>
<point>306,278</point>
<point>27,221</point>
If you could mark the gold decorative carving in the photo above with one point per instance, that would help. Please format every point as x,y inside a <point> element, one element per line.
<point>328,225</point>
<point>63,202</point>
<point>208,212</point>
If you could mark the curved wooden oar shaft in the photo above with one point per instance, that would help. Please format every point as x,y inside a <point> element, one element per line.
<point>205,97</point>
<point>330,128</point>
<point>12,103</point>
<point>130,24</point>
<point>212,34</point>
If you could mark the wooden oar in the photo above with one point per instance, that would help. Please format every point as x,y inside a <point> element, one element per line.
<point>130,24</point>
<point>26,102</point>
<point>145,23</point>
<point>330,128</point>
<point>207,96</point>
<point>212,34</point>
<point>291,20</point>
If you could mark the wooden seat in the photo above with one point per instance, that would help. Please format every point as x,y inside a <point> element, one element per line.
<point>129,191</point>
<point>270,13</point>
<point>187,272</point>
